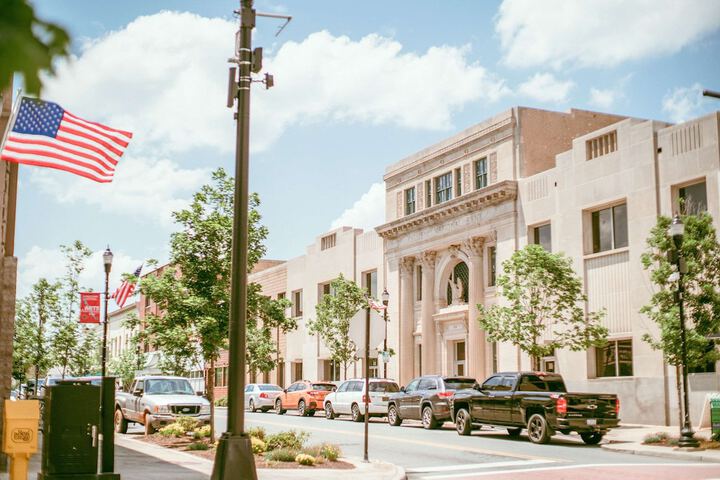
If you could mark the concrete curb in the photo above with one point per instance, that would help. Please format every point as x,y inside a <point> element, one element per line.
<point>663,452</point>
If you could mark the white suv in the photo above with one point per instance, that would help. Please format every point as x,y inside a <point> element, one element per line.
<point>349,398</point>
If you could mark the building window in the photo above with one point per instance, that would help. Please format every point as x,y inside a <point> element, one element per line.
<point>443,188</point>
<point>693,199</point>
<point>373,366</point>
<point>324,289</point>
<point>369,283</point>
<point>297,371</point>
<point>614,359</point>
<point>428,193</point>
<point>280,373</point>
<point>609,228</point>
<point>459,359</point>
<point>602,145</point>
<point>492,266</point>
<point>541,236</point>
<point>410,201</point>
<point>331,370</point>
<point>221,376</point>
<point>481,175</point>
<point>458,182</point>
<point>297,309</point>
<point>327,242</point>
<point>418,283</point>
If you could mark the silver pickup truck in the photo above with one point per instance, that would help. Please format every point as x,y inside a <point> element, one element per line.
<point>155,401</point>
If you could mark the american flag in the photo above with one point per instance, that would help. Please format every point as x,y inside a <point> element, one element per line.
<point>126,288</point>
<point>46,135</point>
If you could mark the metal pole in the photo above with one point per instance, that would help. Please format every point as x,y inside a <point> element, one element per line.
<point>234,458</point>
<point>686,433</point>
<point>367,378</point>
<point>385,343</point>
<point>711,93</point>
<point>105,322</point>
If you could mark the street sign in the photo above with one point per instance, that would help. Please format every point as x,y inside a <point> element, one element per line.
<point>89,307</point>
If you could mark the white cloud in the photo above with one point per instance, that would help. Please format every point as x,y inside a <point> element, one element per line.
<point>603,98</point>
<point>144,188</point>
<point>544,87</point>
<point>591,33</point>
<point>683,103</point>
<point>47,263</point>
<point>367,213</point>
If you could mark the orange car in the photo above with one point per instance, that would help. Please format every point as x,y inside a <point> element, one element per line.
<point>303,395</point>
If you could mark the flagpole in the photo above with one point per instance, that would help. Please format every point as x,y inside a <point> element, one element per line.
<point>10,199</point>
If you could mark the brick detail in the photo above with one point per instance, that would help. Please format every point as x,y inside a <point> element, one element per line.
<point>420,196</point>
<point>467,177</point>
<point>399,205</point>
<point>493,167</point>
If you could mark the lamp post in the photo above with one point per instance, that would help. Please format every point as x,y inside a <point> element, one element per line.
<point>385,300</point>
<point>676,232</point>
<point>366,397</point>
<point>107,391</point>
<point>107,262</point>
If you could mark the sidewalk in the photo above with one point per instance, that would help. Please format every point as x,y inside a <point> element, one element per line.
<point>628,439</point>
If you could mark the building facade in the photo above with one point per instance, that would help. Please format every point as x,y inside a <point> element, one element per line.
<point>587,184</point>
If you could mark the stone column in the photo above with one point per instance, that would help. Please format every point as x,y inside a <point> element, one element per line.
<point>427,309</point>
<point>477,346</point>
<point>406,355</point>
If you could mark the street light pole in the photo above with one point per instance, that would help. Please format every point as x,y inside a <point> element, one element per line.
<point>107,437</point>
<point>676,231</point>
<point>367,378</point>
<point>234,457</point>
<point>385,300</point>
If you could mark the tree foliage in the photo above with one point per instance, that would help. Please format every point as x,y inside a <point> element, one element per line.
<point>265,316</point>
<point>701,301</point>
<point>334,313</point>
<point>28,45</point>
<point>544,309</point>
<point>125,365</point>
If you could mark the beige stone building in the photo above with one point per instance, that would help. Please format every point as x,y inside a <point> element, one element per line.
<point>588,184</point>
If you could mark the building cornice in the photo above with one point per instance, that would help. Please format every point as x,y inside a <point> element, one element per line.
<point>485,197</point>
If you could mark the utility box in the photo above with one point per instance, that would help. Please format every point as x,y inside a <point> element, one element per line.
<point>71,421</point>
<point>715,415</point>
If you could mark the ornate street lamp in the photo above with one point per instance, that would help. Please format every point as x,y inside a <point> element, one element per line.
<point>676,232</point>
<point>385,301</point>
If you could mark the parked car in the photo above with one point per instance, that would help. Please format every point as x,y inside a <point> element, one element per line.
<point>155,401</point>
<point>349,398</point>
<point>304,396</point>
<point>261,396</point>
<point>536,401</point>
<point>426,398</point>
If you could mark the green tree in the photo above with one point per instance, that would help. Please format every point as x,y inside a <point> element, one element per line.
<point>28,45</point>
<point>544,300</point>
<point>128,363</point>
<point>701,251</point>
<point>269,315</point>
<point>86,358</point>
<point>334,313</point>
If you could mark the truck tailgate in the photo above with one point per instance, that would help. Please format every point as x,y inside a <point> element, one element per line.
<point>591,405</point>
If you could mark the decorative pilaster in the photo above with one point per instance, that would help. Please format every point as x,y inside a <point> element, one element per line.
<point>406,344</point>
<point>477,346</point>
<point>429,357</point>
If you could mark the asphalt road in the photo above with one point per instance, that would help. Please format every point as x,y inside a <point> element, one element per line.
<point>443,454</point>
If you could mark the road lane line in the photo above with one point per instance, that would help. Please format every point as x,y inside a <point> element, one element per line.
<point>483,451</point>
<point>564,467</point>
<point>472,466</point>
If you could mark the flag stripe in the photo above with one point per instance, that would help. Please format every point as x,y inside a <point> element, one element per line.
<point>65,168</point>
<point>21,154</point>
<point>118,140</point>
<point>81,143</point>
<point>105,127</point>
<point>53,146</point>
<point>64,128</point>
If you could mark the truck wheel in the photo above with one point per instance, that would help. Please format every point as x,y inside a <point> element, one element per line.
<point>149,429</point>
<point>355,412</point>
<point>514,432</point>
<point>393,417</point>
<point>278,407</point>
<point>463,425</point>
<point>538,429</point>
<point>591,438</point>
<point>121,424</point>
<point>428,419</point>
<point>329,413</point>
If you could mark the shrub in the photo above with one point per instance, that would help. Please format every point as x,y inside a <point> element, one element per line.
<point>198,446</point>
<point>202,432</point>
<point>189,424</point>
<point>172,430</point>
<point>281,455</point>
<point>291,439</point>
<point>323,451</point>
<point>658,437</point>
<point>304,459</point>
<point>257,432</point>
<point>715,436</point>
<point>221,402</point>
<point>258,446</point>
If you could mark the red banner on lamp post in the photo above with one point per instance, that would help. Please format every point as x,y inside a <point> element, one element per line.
<point>89,307</point>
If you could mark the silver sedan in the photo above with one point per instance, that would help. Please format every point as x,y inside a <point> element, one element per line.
<point>261,396</point>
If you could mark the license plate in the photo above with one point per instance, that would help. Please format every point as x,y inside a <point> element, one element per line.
<point>385,399</point>
<point>592,421</point>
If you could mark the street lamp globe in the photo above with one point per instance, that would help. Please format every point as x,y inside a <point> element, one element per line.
<point>107,259</point>
<point>385,297</point>
<point>677,230</point>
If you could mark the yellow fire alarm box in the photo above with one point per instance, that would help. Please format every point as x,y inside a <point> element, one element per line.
<point>20,434</point>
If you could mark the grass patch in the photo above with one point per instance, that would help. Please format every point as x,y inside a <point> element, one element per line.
<point>291,439</point>
<point>282,455</point>
<point>198,446</point>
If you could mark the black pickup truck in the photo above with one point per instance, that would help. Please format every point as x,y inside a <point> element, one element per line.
<point>536,401</point>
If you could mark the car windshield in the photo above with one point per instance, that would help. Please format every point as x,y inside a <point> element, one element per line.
<point>168,386</point>
<point>270,388</point>
<point>459,383</point>
<point>323,387</point>
<point>385,387</point>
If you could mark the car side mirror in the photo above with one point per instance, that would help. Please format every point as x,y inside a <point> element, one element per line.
<point>138,393</point>
<point>284,390</point>
<point>199,393</point>
<point>334,389</point>
<point>402,389</point>
<point>476,386</point>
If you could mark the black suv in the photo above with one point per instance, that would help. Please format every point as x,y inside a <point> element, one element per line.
<point>426,398</point>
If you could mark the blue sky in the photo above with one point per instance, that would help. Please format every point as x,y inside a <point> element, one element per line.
<point>359,85</point>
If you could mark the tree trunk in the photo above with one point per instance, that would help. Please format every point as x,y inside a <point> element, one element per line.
<point>210,382</point>
<point>678,385</point>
